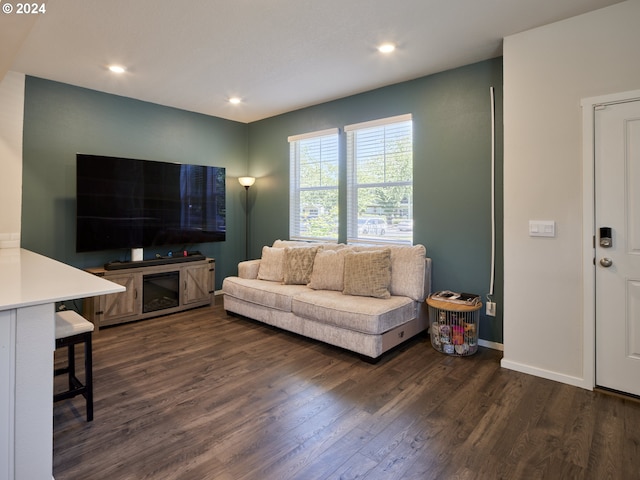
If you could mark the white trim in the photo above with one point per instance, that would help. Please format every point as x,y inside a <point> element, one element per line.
<point>328,142</point>
<point>319,133</point>
<point>548,374</point>
<point>588,216</point>
<point>492,345</point>
<point>8,396</point>
<point>302,238</point>
<point>403,124</point>
<point>377,123</point>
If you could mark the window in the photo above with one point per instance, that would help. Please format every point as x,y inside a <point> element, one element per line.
<point>380,181</point>
<point>314,185</point>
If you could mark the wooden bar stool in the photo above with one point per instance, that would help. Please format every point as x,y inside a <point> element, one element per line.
<point>72,329</point>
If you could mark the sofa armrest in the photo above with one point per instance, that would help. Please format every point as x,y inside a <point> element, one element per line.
<point>249,268</point>
<point>427,278</point>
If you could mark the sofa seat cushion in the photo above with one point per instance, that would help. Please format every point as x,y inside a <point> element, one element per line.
<point>262,292</point>
<point>362,314</point>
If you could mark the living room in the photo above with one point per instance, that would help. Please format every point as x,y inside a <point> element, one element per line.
<point>539,80</point>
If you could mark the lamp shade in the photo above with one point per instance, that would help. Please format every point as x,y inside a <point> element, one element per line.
<point>246,181</point>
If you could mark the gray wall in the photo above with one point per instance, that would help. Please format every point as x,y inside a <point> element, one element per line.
<point>61,120</point>
<point>452,182</point>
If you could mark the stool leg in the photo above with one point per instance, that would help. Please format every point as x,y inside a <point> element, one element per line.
<point>88,373</point>
<point>71,364</point>
<point>75,386</point>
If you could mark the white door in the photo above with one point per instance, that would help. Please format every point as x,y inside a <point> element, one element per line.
<point>617,206</point>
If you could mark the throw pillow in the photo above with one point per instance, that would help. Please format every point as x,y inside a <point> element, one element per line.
<point>271,264</point>
<point>407,269</point>
<point>328,270</point>
<point>298,264</point>
<point>367,274</point>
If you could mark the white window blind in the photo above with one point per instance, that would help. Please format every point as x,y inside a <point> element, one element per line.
<point>380,181</point>
<point>314,185</point>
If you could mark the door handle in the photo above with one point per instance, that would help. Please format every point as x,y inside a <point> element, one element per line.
<point>606,262</point>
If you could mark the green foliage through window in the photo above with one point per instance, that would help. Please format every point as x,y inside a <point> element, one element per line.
<point>380,180</point>
<point>314,186</point>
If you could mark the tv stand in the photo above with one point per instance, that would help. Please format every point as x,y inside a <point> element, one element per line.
<point>153,287</point>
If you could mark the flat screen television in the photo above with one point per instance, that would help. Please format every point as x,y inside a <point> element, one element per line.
<point>129,203</point>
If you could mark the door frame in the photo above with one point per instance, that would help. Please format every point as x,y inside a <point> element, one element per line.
<point>588,223</point>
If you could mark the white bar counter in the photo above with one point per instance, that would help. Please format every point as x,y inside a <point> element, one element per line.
<point>30,285</point>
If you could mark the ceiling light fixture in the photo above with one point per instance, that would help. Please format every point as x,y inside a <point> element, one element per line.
<point>386,48</point>
<point>235,100</point>
<point>117,69</point>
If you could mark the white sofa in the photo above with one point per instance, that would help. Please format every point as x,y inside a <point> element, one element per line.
<point>366,299</point>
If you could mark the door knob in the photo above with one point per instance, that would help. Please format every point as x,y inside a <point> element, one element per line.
<point>606,262</point>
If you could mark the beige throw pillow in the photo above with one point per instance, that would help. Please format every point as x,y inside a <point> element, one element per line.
<point>298,264</point>
<point>407,269</point>
<point>271,264</point>
<point>328,270</point>
<point>367,274</point>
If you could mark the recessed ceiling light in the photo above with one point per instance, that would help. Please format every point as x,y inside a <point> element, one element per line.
<point>386,48</point>
<point>235,100</point>
<point>117,69</point>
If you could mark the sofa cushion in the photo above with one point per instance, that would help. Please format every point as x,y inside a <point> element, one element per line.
<point>408,269</point>
<point>362,314</point>
<point>298,264</point>
<point>249,268</point>
<point>367,273</point>
<point>271,264</point>
<point>328,270</point>
<point>267,294</point>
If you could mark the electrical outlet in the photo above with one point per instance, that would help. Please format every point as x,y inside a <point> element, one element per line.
<point>491,309</point>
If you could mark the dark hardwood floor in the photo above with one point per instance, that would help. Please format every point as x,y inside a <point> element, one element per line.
<point>201,395</point>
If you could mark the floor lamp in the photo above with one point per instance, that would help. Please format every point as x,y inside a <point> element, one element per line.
<point>246,182</point>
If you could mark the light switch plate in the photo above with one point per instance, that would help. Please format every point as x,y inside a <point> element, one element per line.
<point>542,228</point>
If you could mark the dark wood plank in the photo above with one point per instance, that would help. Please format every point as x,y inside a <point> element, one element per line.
<point>202,395</point>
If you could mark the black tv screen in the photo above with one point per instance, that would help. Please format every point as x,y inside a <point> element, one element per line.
<point>128,203</point>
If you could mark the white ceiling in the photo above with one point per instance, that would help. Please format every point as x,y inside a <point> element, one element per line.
<point>277,55</point>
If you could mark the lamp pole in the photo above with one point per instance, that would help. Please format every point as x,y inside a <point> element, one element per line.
<point>246,182</point>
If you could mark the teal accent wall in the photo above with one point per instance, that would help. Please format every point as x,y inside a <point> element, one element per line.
<point>61,120</point>
<point>452,164</point>
<point>452,182</point>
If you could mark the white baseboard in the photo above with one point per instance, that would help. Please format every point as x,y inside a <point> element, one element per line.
<point>9,240</point>
<point>493,345</point>
<point>548,374</point>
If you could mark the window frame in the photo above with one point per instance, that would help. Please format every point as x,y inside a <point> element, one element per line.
<point>353,217</point>
<point>295,188</point>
